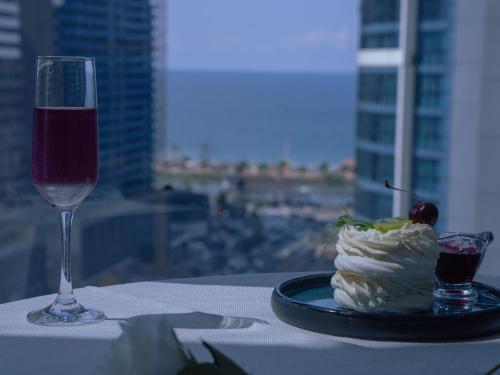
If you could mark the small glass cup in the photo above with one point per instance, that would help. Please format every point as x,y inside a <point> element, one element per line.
<point>456,267</point>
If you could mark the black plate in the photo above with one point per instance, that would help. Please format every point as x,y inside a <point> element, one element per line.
<point>307,302</point>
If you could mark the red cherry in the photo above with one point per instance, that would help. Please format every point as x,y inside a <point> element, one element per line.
<point>420,212</point>
<point>424,213</point>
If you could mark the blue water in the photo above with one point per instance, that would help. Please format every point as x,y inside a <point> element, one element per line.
<point>262,116</point>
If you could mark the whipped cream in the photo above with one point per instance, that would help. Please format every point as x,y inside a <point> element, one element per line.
<point>390,272</point>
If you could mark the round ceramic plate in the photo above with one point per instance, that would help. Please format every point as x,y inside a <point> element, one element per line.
<point>307,302</point>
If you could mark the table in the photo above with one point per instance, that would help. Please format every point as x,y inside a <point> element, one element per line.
<point>234,314</point>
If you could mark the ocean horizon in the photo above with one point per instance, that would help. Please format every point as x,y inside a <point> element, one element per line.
<point>306,118</point>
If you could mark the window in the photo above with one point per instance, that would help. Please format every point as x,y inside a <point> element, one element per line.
<point>376,127</point>
<point>428,133</point>
<point>375,167</point>
<point>378,88</point>
<point>371,205</point>
<point>379,11</point>
<point>426,174</point>
<point>433,10</point>
<point>432,48</point>
<point>379,40</point>
<point>430,90</point>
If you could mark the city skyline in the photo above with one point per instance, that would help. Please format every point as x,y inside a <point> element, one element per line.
<point>142,222</point>
<point>273,168</point>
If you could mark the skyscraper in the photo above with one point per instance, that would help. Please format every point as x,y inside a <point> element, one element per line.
<point>159,54</point>
<point>377,86</point>
<point>427,117</point>
<point>13,161</point>
<point>118,33</point>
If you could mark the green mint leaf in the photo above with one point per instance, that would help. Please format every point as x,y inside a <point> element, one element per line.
<point>347,219</point>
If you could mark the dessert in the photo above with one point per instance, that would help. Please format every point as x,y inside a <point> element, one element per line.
<point>388,265</point>
<point>389,272</point>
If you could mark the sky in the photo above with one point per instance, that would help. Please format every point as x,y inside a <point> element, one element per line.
<point>263,35</point>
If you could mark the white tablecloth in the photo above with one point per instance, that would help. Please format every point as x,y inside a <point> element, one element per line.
<point>234,314</point>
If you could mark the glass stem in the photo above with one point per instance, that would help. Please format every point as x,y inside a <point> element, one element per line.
<point>66,286</point>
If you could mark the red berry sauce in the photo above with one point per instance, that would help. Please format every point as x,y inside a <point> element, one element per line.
<point>457,264</point>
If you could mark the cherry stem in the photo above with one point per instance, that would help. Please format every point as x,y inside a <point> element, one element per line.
<point>389,186</point>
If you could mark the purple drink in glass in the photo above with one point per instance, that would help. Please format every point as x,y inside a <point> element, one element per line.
<point>65,165</point>
<point>65,153</point>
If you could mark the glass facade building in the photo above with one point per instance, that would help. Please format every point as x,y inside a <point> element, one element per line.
<point>114,227</point>
<point>379,102</point>
<point>379,24</point>
<point>159,64</point>
<point>375,133</point>
<point>431,101</point>
<point>118,34</point>
<point>13,160</point>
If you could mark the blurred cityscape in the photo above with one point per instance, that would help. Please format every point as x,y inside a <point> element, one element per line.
<point>149,217</point>
<point>426,120</point>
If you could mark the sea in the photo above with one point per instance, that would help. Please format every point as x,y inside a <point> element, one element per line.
<point>306,118</point>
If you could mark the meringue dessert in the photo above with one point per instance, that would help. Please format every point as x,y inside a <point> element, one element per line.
<point>386,267</point>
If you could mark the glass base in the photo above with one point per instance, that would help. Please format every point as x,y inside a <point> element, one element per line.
<point>455,297</point>
<point>62,315</point>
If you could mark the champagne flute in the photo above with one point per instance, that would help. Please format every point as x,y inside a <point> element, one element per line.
<point>65,164</point>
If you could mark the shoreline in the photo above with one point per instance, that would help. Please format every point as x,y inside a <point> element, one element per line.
<point>283,172</point>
